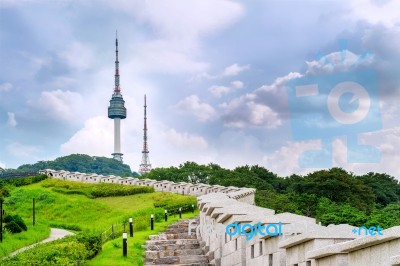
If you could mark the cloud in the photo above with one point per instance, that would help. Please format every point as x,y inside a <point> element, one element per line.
<point>184,140</point>
<point>11,121</point>
<point>218,91</point>
<point>164,56</point>
<point>264,107</point>
<point>338,61</point>
<point>285,160</point>
<point>237,84</point>
<point>2,165</point>
<point>20,150</point>
<point>4,87</point>
<point>78,55</point>
<point>376,11</point>
<point>234,70</point>
<point>59,104</point>
<point>95,130</point>
<point>183,20</point>
<point>192,105</point>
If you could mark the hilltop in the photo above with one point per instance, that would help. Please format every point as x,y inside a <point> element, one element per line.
<point>81,163</point>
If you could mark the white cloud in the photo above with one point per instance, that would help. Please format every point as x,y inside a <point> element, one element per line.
<point>78,55</point>
<point>5,87</point>
<point>218,91</point>
<point>237,84</point>
<point>285,160</point>
<point>376,11</point>
<point>183,20</point>
<point>19,150</point>
<point>2,165</point>
<point>11,121</point>
<point>95,131</point>
<point>234,70</point>
<point>343,61</point>
<point>192,105</point>
<point>184,140</point>
<point>58,104</point>
<point>166,57</point>
<point>264,107</point>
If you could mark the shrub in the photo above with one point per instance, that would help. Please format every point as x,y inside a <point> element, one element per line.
<point>14,223</point>
<point>94,190</point>
<point>24,181</point>
<point>13,227</point>
<point>18,220</point>
<point>92,243</point>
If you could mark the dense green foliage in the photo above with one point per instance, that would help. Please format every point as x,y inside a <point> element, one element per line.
<point>94,190</point>
<point>14,223</point>
<point>65,251</point>
<point>23,181</point>
<point>331,196</point>
<point>81,163</point>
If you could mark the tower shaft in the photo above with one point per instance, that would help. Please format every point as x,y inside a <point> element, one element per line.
<point>145,165</point>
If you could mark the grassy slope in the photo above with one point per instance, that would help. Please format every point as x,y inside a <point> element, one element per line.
<point>112,250</point>
<point>60,210</point>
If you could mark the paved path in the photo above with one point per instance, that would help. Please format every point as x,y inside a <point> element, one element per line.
<point>55,234</point>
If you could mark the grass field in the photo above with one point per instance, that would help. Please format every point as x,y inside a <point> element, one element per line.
<point>78,212</point>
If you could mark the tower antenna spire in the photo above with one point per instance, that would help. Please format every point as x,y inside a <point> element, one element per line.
<point>145,165</point>
<point>117,89</point>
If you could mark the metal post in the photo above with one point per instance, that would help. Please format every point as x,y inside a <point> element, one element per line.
<point>165,215</point>
<point>124,244</point>
<point>180,213</point>
<point>33,211</point>
<point>130,227</point>
<point>152,222</point>
<point>192,208</point>
<point>1,220</point>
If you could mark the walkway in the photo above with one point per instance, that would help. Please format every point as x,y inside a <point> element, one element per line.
<point>55,234</point>
<point>176,247</point>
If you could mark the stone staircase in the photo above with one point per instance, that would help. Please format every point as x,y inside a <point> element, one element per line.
<point>176,247</point>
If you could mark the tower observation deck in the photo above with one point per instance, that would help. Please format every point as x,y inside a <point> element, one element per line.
<point>117,110</point>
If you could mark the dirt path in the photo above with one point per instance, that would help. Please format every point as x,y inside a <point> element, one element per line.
<point>55,234</point>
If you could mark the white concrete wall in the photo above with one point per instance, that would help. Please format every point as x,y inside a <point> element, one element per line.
<point>375,255</point>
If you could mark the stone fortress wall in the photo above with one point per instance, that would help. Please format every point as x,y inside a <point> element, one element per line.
<point>302,241</point>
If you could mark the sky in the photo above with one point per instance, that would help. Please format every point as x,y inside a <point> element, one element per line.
<point>229,82</point>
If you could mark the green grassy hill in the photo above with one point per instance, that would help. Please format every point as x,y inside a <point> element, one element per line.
<point>70,205</point>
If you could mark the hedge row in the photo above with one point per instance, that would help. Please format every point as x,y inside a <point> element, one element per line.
<point>66,251</point>
<point>94,190</point>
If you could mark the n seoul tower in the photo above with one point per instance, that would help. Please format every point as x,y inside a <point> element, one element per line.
<point>117,110</point>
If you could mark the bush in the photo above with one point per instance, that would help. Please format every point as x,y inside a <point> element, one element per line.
<point>24,181</point>
<point>92,243</point>
<point>14,223</point>
<point>65,252</point>
<point>94,190</point>
<point>18,220</point>
<point>13,227</point>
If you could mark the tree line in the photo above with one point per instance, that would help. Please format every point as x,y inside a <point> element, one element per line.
<point>332,196</point>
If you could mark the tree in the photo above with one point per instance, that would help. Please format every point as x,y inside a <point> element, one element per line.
<point>337,185</point>
<point>385,187</point>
